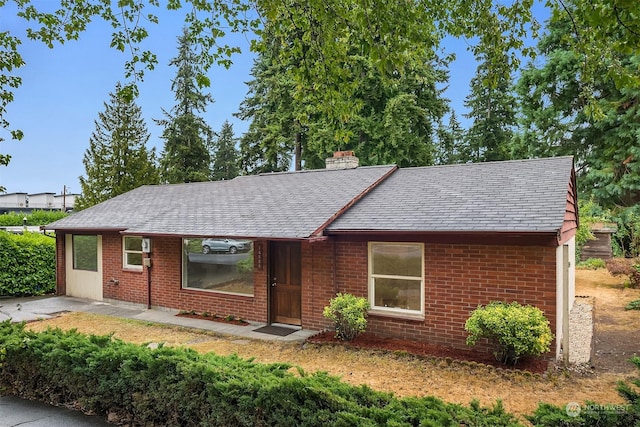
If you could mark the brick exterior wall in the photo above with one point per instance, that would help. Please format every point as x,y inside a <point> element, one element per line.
<point>61,277</point>
<point>458,277</point>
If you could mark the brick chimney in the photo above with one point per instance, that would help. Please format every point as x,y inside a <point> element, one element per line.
<point>342,160</point>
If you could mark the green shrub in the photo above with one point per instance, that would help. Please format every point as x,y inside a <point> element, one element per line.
<point>587,414</point>
<point>28,264</point>
<point>179,387</point>
<point>593,414</point>
<point>625,267</point>
<point>513,330</point>
<point>245,265</point>
<point>631,393</point>
<point>349,313</point>
<point>34,218</point>
<point>627,237</point>
<point>592,264</point>
<point>633,305</point>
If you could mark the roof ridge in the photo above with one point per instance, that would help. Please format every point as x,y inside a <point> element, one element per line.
<point>492,162</point>
<point>317,170</point>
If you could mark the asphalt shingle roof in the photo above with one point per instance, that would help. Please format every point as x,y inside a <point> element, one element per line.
<point>512,196</point>
<point>279,205</point>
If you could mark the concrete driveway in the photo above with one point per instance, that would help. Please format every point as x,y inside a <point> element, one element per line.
<point>26,413</point>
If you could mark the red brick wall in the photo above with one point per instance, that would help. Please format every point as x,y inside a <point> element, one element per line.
<point>317,283</point>
<point>166,282</point>
<point>457,279</point>
<point>132,284</point>
<point>61,277</point>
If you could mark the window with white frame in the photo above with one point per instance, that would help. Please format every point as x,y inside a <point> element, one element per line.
<point>132,252</point>
<point>396,278</point>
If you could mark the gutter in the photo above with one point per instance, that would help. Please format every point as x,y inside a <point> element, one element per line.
<point>491,237</point>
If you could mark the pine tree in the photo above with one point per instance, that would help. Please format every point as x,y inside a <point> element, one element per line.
<point>450,141</point>
<point>186,156</point>
<point>396,121</point>
<point>117,159</point>
<point>559,118</point>
<point>226,158</point>
<point>493,112</point>
<point>269,143</point>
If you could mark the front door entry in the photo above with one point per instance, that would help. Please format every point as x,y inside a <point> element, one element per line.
<point>285,282</point>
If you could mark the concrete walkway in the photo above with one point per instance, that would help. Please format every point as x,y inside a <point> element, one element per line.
<point>34,308</point>
<point>19,412</point>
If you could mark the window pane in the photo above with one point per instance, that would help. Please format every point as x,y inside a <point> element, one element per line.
<point>133,243</point>
<point>85,253</point>
<point>397,293</point>
<point>397,259</point>
<point>134,258</point>
<point>224,265</point>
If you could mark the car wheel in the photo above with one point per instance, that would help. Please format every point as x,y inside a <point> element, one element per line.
<point>206,249</point>
<point>233,250</point>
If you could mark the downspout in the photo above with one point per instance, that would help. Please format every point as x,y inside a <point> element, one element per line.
<point>335,282</point>
<point>313,298</point>
<point>147,263</point>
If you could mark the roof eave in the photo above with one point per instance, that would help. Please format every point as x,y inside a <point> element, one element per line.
<point>492,237</point>
<point>84,230</point>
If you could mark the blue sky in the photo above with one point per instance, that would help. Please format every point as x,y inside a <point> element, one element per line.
<point>64,88</point>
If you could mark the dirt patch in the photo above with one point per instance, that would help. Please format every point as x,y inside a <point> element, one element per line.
<point>617,331</point>
<point>368,341</point>
<point>407,375</point>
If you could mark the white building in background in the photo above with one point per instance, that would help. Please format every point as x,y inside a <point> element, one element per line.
<point>41,200</point>
<point>23,202</point>
<point>64,202</point>
<point>14,200</point>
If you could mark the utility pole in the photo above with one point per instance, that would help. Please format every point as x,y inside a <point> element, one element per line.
<point>64,198</point>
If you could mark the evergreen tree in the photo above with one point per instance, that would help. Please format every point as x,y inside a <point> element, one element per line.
<point>450,141</point>
<point>268,144</point>
<point>560,118</point>
<point>226,159</point>
<point>117,159</point>
<point>492,107</point>
<point>395,123</point>
<point>186,156</point>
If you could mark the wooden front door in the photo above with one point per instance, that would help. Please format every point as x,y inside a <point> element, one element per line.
<point>285,282</point>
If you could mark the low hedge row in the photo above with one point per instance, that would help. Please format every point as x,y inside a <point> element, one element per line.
<point>33,218</point>
<point>28,264</point>
<point>169,386</point>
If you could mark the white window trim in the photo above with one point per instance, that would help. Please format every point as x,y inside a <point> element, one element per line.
<point>395,312</point>
<point>126,251</point>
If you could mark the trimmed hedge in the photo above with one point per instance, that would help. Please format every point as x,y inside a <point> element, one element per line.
<point>34,218</point>
<point>594,414</point>
<point>179,387</point>
<point>27,264</point>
